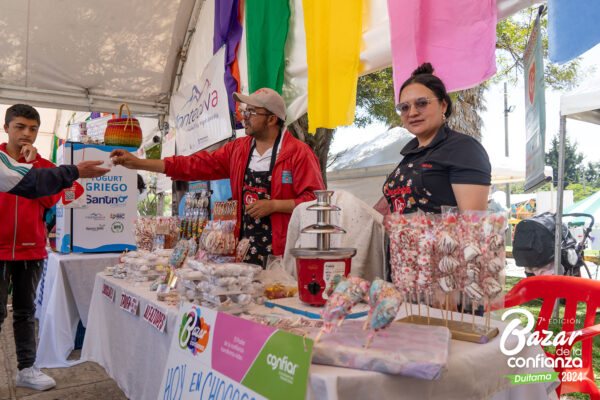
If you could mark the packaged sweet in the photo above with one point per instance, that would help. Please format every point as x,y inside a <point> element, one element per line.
<point>179,254</point>
<point>162,252</point>
<point>279,291</point>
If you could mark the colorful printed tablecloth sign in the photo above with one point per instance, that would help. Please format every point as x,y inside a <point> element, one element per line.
<point>155,317</point>
<point>217,355</point>
<point>129,303</point>
<point>108,291</point>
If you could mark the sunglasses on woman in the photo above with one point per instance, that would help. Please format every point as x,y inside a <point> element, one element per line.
<point>420,105</point>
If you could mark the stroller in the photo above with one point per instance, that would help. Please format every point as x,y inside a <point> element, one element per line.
<point>533,245</point>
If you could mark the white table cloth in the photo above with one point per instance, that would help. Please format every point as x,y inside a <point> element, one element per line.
<point>134,354</point>
<point>63,298</point>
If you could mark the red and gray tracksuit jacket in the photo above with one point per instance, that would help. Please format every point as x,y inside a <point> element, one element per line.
<point>22,231</point>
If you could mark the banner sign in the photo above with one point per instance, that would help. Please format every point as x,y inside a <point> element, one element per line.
<point>155,317</point>
<point>535,110</point>
<point>200,111</point>
<point>108,291</point>
<point>129,303</point>
<point>216,355</point>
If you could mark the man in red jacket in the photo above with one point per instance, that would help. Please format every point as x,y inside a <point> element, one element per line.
<point>269,170</point>
<point>23,246</point>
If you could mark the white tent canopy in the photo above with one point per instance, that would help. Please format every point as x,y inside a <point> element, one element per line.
<point>583,103</point>
<point>87,54</point>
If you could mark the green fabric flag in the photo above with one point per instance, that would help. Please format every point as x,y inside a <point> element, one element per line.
<point>54,149</point>
<point>267,24</point>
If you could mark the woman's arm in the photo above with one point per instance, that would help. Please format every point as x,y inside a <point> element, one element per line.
<point>471,197</point>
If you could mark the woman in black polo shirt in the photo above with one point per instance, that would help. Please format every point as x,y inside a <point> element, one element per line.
<point>441,167</point>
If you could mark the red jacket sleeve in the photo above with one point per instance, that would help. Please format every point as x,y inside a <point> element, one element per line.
<point>200,166</point>
<point>48,201</point>
<point>309,177</point>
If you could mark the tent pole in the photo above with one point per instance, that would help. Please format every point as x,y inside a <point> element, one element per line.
<point>558,270</point>
<point>559,194</point>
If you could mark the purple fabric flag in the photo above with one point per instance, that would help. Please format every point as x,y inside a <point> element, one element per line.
<point>228,31</point>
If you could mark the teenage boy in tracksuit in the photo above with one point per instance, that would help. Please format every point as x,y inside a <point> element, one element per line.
<point>23,247</point>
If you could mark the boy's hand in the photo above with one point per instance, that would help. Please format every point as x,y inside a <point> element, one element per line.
<point>29,152</point>
<point>90,169</point>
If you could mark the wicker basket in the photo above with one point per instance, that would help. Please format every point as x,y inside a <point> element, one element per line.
<point>124,132</point>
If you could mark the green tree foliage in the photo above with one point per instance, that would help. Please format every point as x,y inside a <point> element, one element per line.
<point>512,35</point>
<point>573,160</point>
<point>579,193</point>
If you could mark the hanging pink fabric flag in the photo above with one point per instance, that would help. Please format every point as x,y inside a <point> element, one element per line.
<point>458,37</point>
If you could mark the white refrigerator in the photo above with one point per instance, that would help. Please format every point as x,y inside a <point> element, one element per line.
<point>97,214</point>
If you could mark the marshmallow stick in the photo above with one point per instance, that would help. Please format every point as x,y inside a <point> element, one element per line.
<point>319,336</point>
<point>427,303</point>
<point>419,302</point>
<point>462,301</point>
<point>369,340</point>
<point>446,309</point>
<point>341,322</point>
<point>367,321</point>
<point>473,307</point>
<point>406,308</point>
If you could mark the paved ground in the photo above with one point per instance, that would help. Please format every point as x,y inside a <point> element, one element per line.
<point>86,381</point>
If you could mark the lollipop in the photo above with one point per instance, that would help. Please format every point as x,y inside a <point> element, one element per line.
<point>356,288</point>
<point>360,288</point>
<point>474,291</point>
<point>495,265</point>
<point>447,283</point>
<point>491,287</point>
<point>385,313</point>
<point>448,265</point>
<point>447,244</point>
<point>496,241</point>
<point>379,289</point>
<point>472,252</point>
<point>337,307</point>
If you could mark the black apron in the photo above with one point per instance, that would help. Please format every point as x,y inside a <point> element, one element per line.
<point>404,188</point>
<point>257,186</point>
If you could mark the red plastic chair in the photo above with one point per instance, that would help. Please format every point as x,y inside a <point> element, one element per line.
<point>573,290</point>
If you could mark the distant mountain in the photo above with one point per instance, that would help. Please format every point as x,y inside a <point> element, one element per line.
<point>381,150</point>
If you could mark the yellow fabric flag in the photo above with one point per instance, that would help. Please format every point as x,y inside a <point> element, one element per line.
<point>333,39</point>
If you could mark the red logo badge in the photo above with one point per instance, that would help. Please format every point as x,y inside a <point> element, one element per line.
<point>73,193</point>
<point>399,204</point>
<point>531,79</point>
<point>250,198</point>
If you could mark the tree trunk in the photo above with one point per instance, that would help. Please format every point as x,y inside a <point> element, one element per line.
<point>319,142</point>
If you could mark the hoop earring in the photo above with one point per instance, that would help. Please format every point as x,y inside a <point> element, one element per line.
<point>443,118</point>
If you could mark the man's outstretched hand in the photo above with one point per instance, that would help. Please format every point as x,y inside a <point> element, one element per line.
<point>128,160</point>
<point>90,169</point>
<point>124,158</point>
